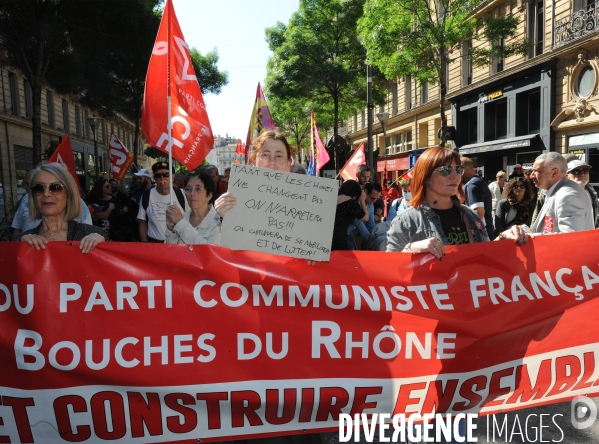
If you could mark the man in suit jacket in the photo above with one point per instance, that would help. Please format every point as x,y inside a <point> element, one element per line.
<point>567,207</point>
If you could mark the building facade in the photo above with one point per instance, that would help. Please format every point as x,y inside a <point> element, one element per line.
<point>60,115</point>
<point>509,111</point>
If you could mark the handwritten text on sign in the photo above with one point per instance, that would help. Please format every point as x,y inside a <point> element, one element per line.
<point>280,213</point>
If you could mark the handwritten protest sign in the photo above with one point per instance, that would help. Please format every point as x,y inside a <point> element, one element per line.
<point>280,213</point>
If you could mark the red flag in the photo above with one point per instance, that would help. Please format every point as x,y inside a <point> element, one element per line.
<point>259,120</point>
<point>171,74</point>
<point>349,170</point>
<point>320,153</point>
<point>239,152</point>
<point>120,158</point>
<point>64,156</point>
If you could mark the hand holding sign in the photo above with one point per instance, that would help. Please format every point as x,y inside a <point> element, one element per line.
<point>280,213</point>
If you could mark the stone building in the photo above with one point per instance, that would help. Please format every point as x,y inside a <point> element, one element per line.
<point>507,112</point>
<point>60,115</point>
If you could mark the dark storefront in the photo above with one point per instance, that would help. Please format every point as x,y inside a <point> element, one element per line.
<point>506,122</point>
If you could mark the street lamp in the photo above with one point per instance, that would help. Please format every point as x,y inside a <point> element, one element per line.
<point>383,118</point>
<point>94,123</point>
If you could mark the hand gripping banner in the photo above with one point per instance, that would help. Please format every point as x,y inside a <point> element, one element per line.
<point>163,343</point>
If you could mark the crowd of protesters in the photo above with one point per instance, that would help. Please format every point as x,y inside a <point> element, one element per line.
<point>414,215</point>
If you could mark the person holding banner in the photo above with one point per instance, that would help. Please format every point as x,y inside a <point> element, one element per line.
<point>269,150</point>
<point>436,218</point>
<point>201,225</point>
<point>54,198</point>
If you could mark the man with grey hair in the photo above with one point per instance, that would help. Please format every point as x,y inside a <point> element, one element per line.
<point>567,208</point>
<point>579,171</point>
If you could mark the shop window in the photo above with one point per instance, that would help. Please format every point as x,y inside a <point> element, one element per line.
<point>496,120</point>
<point>535,30</point>
<point>468,126</point>
<point>528,112</point>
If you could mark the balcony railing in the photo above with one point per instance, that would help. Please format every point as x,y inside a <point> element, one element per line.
<point>577,26</point>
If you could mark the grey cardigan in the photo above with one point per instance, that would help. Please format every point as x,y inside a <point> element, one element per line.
<point>416,224</point>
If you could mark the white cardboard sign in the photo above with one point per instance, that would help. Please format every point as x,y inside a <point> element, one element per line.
<point>280,213</point>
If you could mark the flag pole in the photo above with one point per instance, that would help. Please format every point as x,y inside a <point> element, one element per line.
<point>168,101</point>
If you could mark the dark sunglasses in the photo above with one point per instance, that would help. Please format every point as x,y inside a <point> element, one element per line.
<point>519,187</point>
<point>55,188</point>
<point>447,169</point>
<point>159,175</point>
<point>578,172</point>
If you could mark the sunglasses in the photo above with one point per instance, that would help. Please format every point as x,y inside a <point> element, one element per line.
<point>578,172</point>
<point>447,169</point>
<point>519,187</point>
<point>159,175</point>
<point>55,188</point>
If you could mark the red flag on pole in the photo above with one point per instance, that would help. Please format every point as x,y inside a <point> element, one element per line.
<point>322,156</point>
<point>64,156</point>
<point>349,170</point>
<point>120,158</point>
<point>260,119</point>
<point>239,152</point>
<point>171,74</point>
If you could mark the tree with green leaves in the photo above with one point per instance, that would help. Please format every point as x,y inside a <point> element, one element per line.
<point>317,59</point>
<point>416,37</point>
<point>33,32</point>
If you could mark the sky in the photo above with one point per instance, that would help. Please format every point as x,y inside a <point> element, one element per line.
<point>236,29</point>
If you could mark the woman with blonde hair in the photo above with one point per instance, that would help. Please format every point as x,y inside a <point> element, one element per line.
<point>54,198</point>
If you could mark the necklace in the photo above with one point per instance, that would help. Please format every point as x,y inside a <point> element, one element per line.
<point>52,234</point>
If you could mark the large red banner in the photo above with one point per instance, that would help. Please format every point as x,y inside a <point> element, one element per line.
<point>162,343</point>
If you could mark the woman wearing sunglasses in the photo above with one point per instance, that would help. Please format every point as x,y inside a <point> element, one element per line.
<point>517,206</point>
<point>102,207</point>
<point>435,217</point>
<point>200,225</point>
<point>54,198</point>
<point>269,150</point>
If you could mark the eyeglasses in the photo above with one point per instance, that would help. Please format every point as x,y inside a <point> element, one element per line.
<point>55,188</point>
<point>447,169</point>
<point>519,187</point>
<point>279,159</point>
<point>196,190</point>
<point>580,171</point>
<point>159,175</point>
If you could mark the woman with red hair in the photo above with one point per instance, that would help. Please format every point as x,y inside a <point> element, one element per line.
<point>436,217</point>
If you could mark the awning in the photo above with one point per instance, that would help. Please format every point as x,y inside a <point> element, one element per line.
<point>530,140</point>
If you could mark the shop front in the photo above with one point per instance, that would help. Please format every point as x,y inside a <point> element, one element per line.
<point>507,122</point>
<point>391,167</point>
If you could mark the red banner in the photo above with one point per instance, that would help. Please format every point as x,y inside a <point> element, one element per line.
<point>64,155</point>
<point>350,169</point>
<point>204,342</point>
<point>171,74</point>
<point>120,158</point>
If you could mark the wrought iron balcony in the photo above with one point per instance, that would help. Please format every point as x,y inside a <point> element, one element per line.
<point>577,26</point>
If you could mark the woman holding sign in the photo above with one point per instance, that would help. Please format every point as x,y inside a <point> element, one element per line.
<point>54,198</point>
<point>202,224</point>
<point>269,150</point>
<point>436,218</point>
